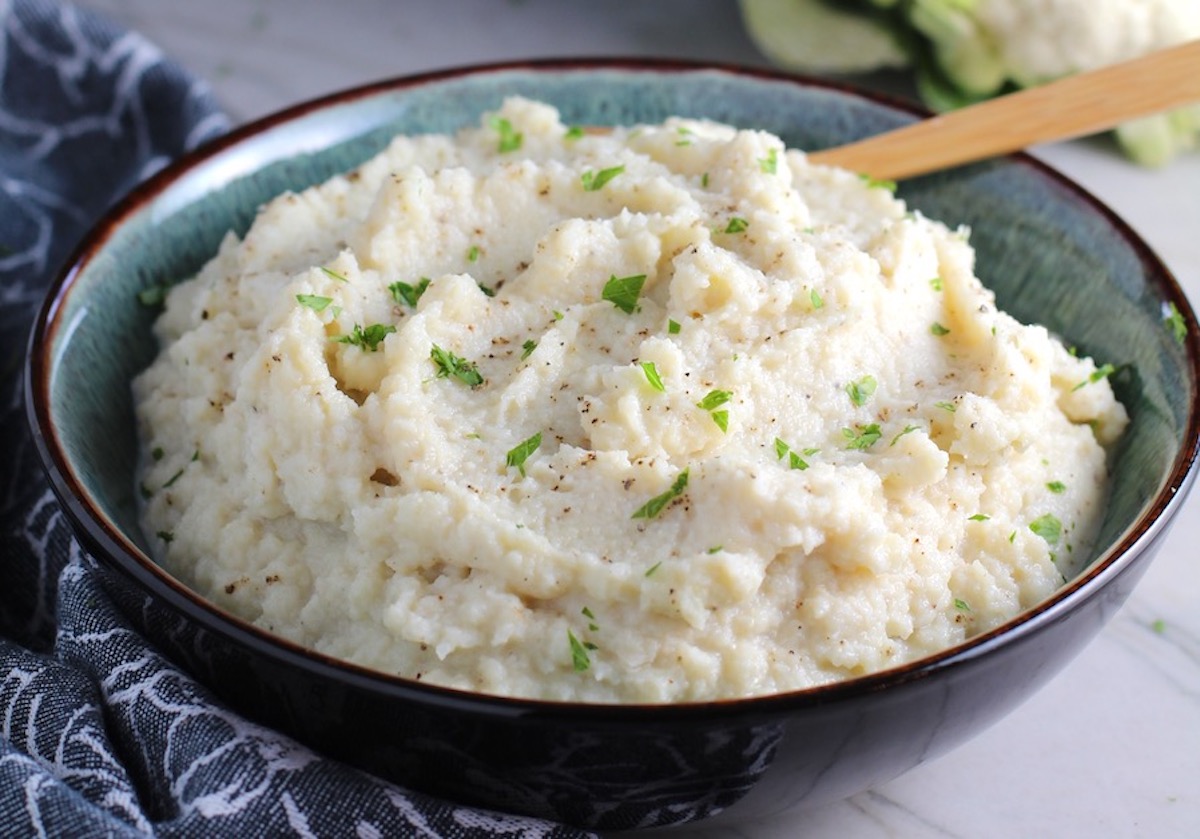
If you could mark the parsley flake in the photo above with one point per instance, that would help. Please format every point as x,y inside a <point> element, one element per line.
<point>1048,527</point>
<point>878,183</point>
<point>1057,487</point>
<point>592,181</point>
<point>1174,321</point>
<point>935,283</point>
<point>451,365</point>
<point>946,406</point>
<point>673,327</point>
<point>908,429</point>
<point>769,164</point>
<point>473,253</point>
<point>862,437</point>
<point>314,301</point>
<point>737,224</point>
<point>519,453</point>
<point>1099,373</point>
<point>510,138</point>
<point>815,298</point>
<point>527,348</point>
<point>579,653</point>
<point>652,376</point>
<point>861,390</point>
<point>979,517</point>
<point>575,132</point>
<point>329,272</point>
<point>714,399</point>
<point>404,293</point>
<point>650,571</point>
<point>961,605</point>
<point>721,418</point>
<point>587,613</point>
<point>623,292</point>
<point>367,339</point>
<point>795,461</point>
<point>938,330</point>
<point>658,503</point>
<point>153,297</point>
<point>167,536</point>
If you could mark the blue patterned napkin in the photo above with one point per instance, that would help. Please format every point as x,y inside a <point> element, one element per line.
<point>99,734</point>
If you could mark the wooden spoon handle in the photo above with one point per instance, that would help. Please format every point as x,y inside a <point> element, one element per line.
<point>1071,107</point>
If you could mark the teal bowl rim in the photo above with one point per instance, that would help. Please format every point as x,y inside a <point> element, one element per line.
<point>117,550</point>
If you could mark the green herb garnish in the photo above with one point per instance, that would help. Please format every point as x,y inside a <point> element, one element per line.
<point>623,292</point>
<point>1048,527</point>
<point>167,536</point>
<point>737,224</point>
<point>878,183</point>
<point>593,181</point>
<point>314,301</point>
<point>652,376</point>
<point>961,605</point>
<point>579,652</point>
<point>473,253</point>
<point>861,390</point>
<point>1057,487</point>
<point>946,406</point>
<point>862,437</point>
<point>367,339</point>
<point>519,453</point>
<point>510,138</point>
<point>673,327</point>
<point>404,293</point>
<point>908,429</point>
<point>979,517</point>
<point>770,163</point>
<point>650,571</point>
<point>453,366</point>
<point>1175,322</point>
<point>527,348</point>
<point>938,330</point>
<point>815,298</point>
<point>658,503</point>
<point>573,133</point>
<point>1099,373</point>
<point>935,283</point>
<point>587,613</point>
<point>329,272</point>
<point>795,461</point>
<point>714,399</point>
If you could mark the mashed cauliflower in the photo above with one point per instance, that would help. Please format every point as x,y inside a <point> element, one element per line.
<point>659,415</point>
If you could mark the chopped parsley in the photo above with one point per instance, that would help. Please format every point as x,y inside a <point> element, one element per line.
<point>487,290</point>
<point>519,453</point>
<point>579,652</point>
<point>815,298</point>
<point>1099,373</point>
<point>587,613</point>
<point>1057,487</point>
<point>961,605</point>
<point>946,406</point>
<point>473,253</point>
<point>737,224</point>
<point>1048,527</point>
<point>367,339</point>
<point>404,293</point>
<point>167,536</point>
<point>329,272</point>
<point>650,571</point>
<point>1159,626</point>
<point>623,292</point>
<point>714,400</point>
<point>154,296</point>
<point>770,163</point>
<point>938,330</point>
<point>860,391</point>
<point>673,327</point>
<point>575,132</point>
<point>1174,321</point>
<point>314,301</point>
<point>878,183</point>
<point>658,503</point>
<point>715,549</point>
<point>979,517</point>
<point>593,181</point>
<point>908,429</point>
<point>510,138</point>
<point>527,348</point>
<point>795,461</point>
<point>935,283</point>
<point>862,437</point>
<point>450,365</point>
<point>652,376</point>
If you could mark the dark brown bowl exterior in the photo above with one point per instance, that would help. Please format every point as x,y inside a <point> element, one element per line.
<point>601,767</point>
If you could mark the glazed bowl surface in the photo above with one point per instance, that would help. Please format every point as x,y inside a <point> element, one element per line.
<point>1052,254</point>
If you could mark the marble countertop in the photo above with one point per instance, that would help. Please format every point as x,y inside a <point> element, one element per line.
<point>1112,746</point>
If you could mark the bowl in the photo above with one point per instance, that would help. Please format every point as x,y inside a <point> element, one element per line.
<point>1051,252</point>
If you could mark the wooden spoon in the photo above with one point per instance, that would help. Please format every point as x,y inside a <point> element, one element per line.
<point>1071,107</point>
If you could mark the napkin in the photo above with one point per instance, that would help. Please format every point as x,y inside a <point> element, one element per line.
<point>99,733</point>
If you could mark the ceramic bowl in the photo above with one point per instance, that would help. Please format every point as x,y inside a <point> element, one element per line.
<point>1052,253</point>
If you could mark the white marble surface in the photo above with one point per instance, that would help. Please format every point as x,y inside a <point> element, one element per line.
<point>1112,746</point>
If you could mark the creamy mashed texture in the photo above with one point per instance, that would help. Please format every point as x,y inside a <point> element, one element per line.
<point>663,414</point>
